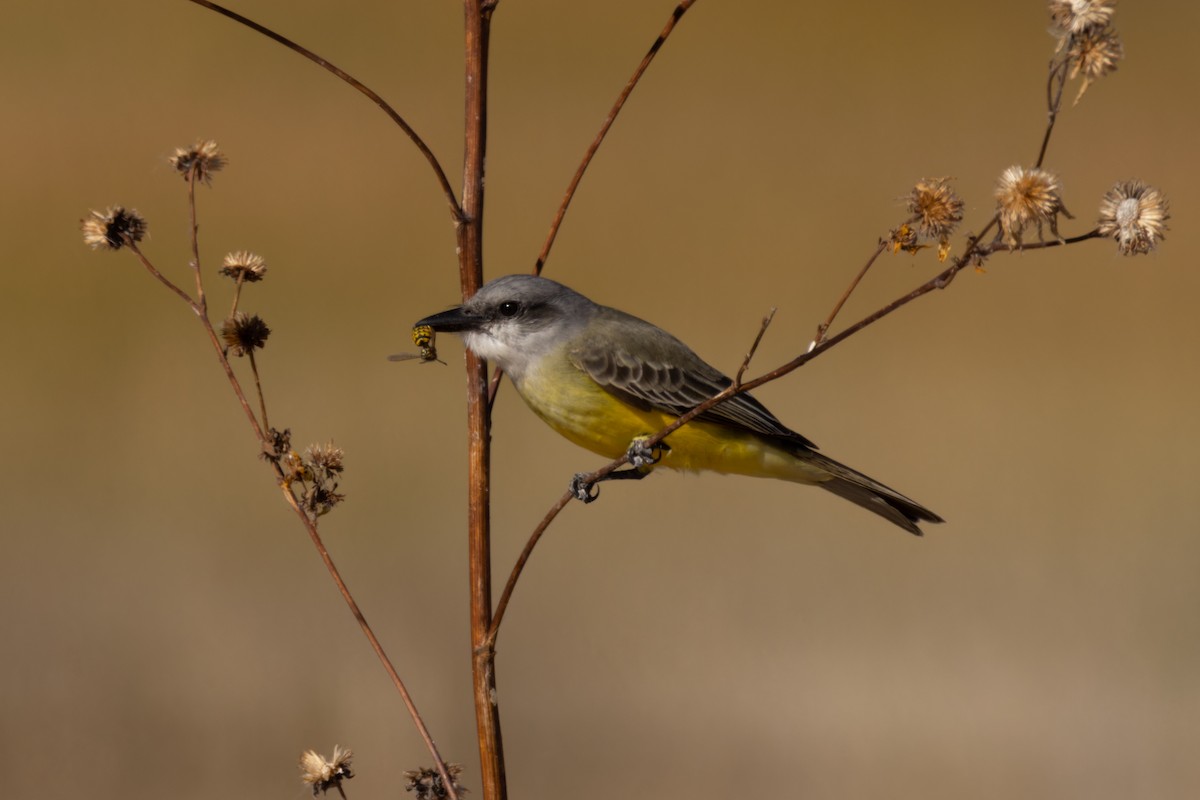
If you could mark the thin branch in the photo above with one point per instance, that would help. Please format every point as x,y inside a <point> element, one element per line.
<point>163,279</point>
<point>213,338</point>
<point>1005,247</point>
<point>201,302</point>
<point>493,388</point>
<point>237,293</point>
<point>388,667</point>
<point>1055,85</point>
<point>285,487</point>
<point>477,16</point>
<point>1056,82</point>
<point>262,402</point>
<point>455,209</point>
<point>679,11</point>
<point>762,329</point>
<point>631,84</point>
<point>517,569</point>
<point>824,326</point>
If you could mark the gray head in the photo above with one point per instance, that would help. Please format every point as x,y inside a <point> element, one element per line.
<point>514,320</point>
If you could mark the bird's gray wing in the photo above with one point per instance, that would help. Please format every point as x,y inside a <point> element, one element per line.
<point>649,368</point>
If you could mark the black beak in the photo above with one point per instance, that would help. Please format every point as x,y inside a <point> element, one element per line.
<point>456,320</point>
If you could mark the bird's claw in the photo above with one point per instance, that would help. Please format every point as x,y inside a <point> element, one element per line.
<point>584,490</point>
<point>641,456</point>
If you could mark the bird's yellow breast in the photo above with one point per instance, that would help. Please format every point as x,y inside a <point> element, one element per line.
<point>569,401</point>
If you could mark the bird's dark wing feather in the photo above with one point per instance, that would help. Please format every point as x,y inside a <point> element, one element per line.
<point>665,375</point>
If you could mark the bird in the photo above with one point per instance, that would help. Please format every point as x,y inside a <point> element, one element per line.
<point>606,380</point>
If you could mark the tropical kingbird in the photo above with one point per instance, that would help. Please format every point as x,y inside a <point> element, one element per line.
<point>605,379</point>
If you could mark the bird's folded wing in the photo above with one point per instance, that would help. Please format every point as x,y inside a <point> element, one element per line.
<point>671,378</point>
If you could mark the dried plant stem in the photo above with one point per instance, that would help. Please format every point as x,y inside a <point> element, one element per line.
<point>762,330</point>
<point>824,326</point>
<point>455,210</point>
<point>458,214</point>
<point>401,689</point>
<point>631,84</point>
<point>468,217</point>
<point>469,232</point>
<point>201,302</point>
<point>676,15</point>
<point>519,567</point>
<point>237,293</point>
<point>308,523</point>
<point>262,403</point>
<point>1056,83</point>
<point>164,280</point>
<point>1005,247</point>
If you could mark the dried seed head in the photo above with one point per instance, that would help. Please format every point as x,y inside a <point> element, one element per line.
<point>112,228</point>
<point>326,458</point>
<point>244,333</point>
<point>1093,53</point>
<point>325,774</point>
<point>322,498</point>
<point>427,783</point>
<point>1070,17</point>
<point>278,444</point>
<point>244,266</point>
<point>203,158</point>
<point>1027,197</point>
<point>318,473</point>
<point>935,207</point>
<point>1135,215</point>
<point>936,210</point>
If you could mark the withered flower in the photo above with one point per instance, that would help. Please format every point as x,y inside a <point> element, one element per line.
<point>427,783</point>
<point>244,333</point>
<point>936,210</point>
<point>1071,17</point>
<point>319,472</point>
<point>1027,197</point>
<point>112,228</point>
<point>1093,53</point>
<point>322,498</point>
<point>278,444</point>
<point>1134,214</point>
<point>244,266</point>
<point>203,158</point>
<point>326,458</point>
<point>325,774</point>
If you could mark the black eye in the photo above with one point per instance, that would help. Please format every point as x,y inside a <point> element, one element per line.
<point>510,308</point>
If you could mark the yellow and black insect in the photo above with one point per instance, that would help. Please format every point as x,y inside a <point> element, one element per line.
<point>294,469</point>
<point>423,338</point>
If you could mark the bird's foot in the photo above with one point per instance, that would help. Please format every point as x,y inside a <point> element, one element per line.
<point>641,460</point>
<point>642,457</point>
<point>582,489</point>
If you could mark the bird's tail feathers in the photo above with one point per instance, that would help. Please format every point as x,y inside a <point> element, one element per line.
<point>872,495</point>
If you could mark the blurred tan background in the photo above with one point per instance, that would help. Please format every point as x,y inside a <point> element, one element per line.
<point>168,629</point>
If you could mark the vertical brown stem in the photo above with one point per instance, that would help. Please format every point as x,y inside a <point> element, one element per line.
<point>262,401</point>
<point>237,295</point>
<point>478,15</point>
<point>201,301</point>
